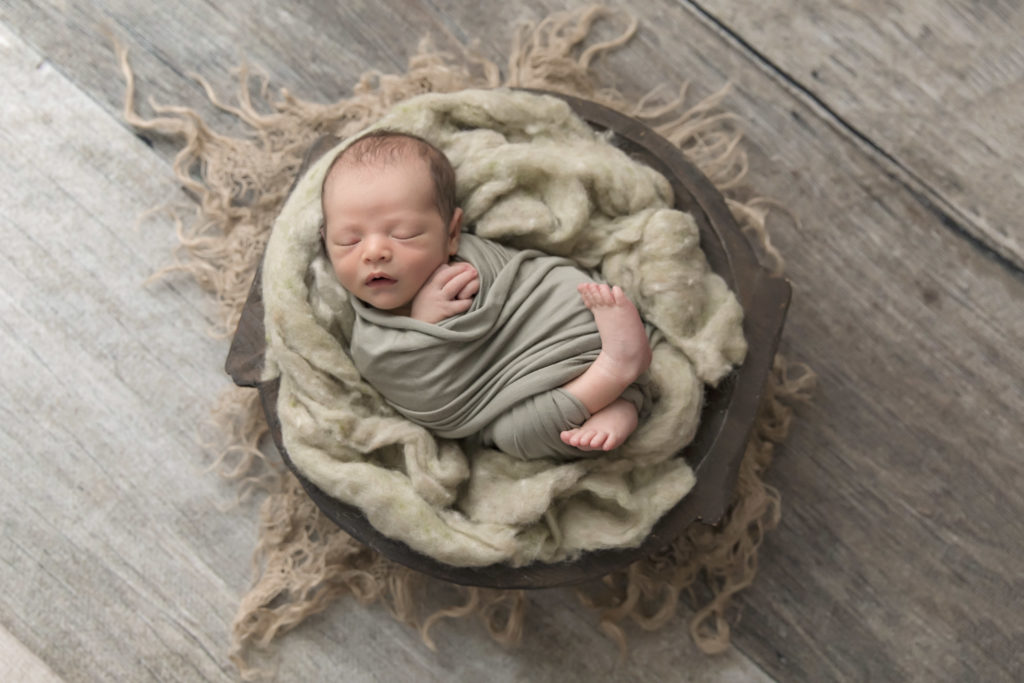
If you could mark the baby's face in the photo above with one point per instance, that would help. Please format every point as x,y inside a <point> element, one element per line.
<point>383,232</point>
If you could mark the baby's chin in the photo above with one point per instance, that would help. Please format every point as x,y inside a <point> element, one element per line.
<point>403,310</point>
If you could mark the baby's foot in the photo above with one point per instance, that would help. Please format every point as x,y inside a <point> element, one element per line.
<point>625,349</point>
<point>606,429</point>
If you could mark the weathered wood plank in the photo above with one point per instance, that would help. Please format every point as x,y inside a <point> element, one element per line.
<point>314,48</point>
<point>103,384</point>
<point>117,558</point>
<point>937,87</point>
<point>17,663</point>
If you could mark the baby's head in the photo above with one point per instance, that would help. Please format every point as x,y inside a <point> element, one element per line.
<point>390,218</point>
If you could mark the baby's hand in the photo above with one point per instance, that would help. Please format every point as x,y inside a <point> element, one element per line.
<point>448,291</point>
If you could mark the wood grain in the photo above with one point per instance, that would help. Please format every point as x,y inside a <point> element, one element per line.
<point>900,549</point>
<point>936,89</point>
<point>318,49</point>
<point>96,417</point>
<point>19,664</point>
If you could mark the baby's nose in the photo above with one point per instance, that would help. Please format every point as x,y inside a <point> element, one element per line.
<point>376,249</point>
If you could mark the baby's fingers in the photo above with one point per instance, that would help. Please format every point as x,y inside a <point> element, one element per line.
<point>457,306</point>
<point>454,287</point>
<point>470,290</point>
<point>444,274</point>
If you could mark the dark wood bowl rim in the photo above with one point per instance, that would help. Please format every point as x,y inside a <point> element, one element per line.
<point>726,420</point>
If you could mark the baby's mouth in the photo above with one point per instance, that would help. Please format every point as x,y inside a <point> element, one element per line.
<point>379,280</point>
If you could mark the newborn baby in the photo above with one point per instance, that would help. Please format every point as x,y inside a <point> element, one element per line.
<point>456,332</point>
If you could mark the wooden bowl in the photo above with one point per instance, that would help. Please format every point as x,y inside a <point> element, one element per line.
<point>726,420</point>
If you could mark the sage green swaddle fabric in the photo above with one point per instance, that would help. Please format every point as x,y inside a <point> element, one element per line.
<point>532,175</point>
<point>496,369</point>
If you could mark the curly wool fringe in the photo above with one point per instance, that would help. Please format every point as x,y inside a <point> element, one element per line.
<point>303,562</point>
<point>723,557</point>
<point>236,429</point>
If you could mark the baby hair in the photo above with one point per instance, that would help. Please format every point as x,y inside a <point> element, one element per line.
<point>385,146</point>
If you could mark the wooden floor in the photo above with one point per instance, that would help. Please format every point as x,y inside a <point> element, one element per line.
<point>891,130</point>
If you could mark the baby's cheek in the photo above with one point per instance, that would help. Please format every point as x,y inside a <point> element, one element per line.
<point>343,274</point>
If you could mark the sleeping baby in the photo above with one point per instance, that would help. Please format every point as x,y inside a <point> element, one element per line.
<point>467,337</point>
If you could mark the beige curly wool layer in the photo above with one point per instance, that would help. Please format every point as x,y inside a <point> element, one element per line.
<point>302,562</point>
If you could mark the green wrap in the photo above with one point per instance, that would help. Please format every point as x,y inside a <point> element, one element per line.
<point>495,369</point>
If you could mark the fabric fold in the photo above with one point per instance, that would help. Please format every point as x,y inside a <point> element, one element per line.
<point>526,334</point>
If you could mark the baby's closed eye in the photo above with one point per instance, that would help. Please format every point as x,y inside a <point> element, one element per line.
<point>345,239</point>
<point>407,234</point>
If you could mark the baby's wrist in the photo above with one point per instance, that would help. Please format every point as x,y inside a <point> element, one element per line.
<point>426,313</point>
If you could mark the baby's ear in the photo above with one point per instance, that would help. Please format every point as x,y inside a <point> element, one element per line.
<point>454,231</point>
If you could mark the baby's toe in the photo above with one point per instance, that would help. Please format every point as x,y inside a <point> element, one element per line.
<point>603,295</point>
<point>585,439</point>
<point>599,441</point>
<point>612,442</point>
<point>586,293</point>
<point>577,438</point>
